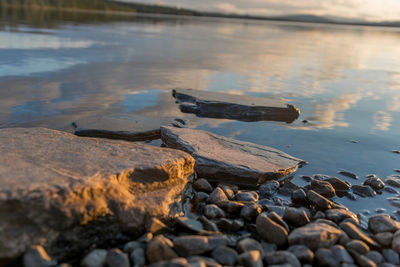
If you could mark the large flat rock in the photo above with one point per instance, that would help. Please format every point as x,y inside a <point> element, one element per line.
<point>123,127</point>
<point>52,181</point>
<point>229,160</point>
<point>236,107</point>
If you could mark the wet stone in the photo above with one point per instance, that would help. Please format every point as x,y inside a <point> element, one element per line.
<point>209,262</point>
<point>138,257</point>
<point>353,232</point>
<point>212,211</point>
<point>325,257</point>
<point>363,190</point>
<point>250,211</point>
<point>318,200</point>
<point>323,188</point>
<point>197,245</point>
<point>287,188</point>
<point>299,197</point>
<point>190,224</point>
<point>396,241</point>
<point>216,196</point>
<point>363,261</point>
<point>230,206</point>
<point>269,188</point>
<point>208,225</point>
<point>249,244</point>
<point>277,209</point>
<point>338,215</point>
<point>303,253</point>
<point>229,190</point>
<point>202,185</point>
<point>230,225</point>
<point>375,256</point>
<point>348,174</point>
<point>247,196</point>
<point>155,226</point>
<point>116,257</point>
<point>96,258</point>
<point>306,178</point>
<point>281,257</point>
<point>357,246</point>
<point>278,219</point>
<point>393,181</point>
<point>391,256</point>
<point>295,216</point>
<point>250,258</point>
<point>341,254</point>
<point>383,223</point>
<point>177,262</point>
<point>375,183</point>
<point>270,230</point>
<point>384,238</point>
<point>225,255</point>
<point>36,256</point>
<point>131,246</point>
<point>160,248</point>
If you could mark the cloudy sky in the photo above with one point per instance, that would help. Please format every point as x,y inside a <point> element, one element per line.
<point>360,9</point>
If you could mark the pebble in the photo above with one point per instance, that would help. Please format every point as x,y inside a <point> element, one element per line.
<point>160,249</point>
<point>116,258</point>
<point>318,200</point>
<point>287,188</point>
<point>209,262</point>
<point>249,244</point>
<point>250,211</point>
<point>348,174</point>
<point>230,225</point>
<point>216,196</point>
<point>202,185</point>
<point>251,258</point>
<point>96,258</point>
<point>338,215</point>
<point>36,256</point>
<point>384,238</point>
<point>391,256</point>
<point>225,255</point>
<point>306,178</point>
<point>277,209</point>
<point>208,225</point>
<point>391,190</point>
<point>190,224</point>
<point>269,188</point>
<point>191,245</point>
<point>247,196</point>
<point>131,246</point>
<point>178,262</point>
<point>303,253</point>
<point>396,241</point>
<point>231,206</point>
<point>212,211</point>
<point>382,223</point>
<point>341,254</point>
<point>138,257</point>
<point>363,261</point>
<point>295,217</point>
<point>357,246</point>
<point>315,235</point>
<point>393,181</point>
<point>338,184</point>
<point>229,190</point>
<point>281,257</point>
<point>363,190</point>
<point>375,256</point>
<point>375,183</point>
<point>353,232</point>
<point>299,197</point>
<point>323,188</point>
<point>155,226</point>
<point>278,219</point>
<point>270,230</point>
<point>268,247</point>
<point>325,257</point>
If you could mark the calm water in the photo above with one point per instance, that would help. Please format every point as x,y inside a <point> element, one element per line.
<point>345,80</point>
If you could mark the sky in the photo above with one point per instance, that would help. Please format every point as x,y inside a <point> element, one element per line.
<point>371,10</point>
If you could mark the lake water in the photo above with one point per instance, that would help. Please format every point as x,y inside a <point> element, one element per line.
<point>344,79</point>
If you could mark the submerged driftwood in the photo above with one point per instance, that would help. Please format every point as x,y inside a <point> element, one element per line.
<point>236,107</point>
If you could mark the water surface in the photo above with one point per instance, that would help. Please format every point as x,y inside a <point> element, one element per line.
<point>344,79</point>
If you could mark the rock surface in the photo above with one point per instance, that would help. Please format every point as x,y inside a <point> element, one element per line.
<point>237,107</point>
<point>60,181</point>
<point>229,160</point>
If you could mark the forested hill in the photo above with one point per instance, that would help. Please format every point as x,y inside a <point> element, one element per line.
<point>100,5</point>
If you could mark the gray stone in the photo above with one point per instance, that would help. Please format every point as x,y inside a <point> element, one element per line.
<point>384,238</point>
<point>116,258</point>
<point>36,256</point>
<point>315,235</point>
<point>225,255</point>
<point>231,206</point>
<point>249,244</point>
<point>208,225</point>
<point>298,196</point>
<point>382,223</point>
<point>132,245</point>
<point>323,188</point>
<point>396,241</point>
<point>250,211</point>
<point>247,196</point>
<point>61,181</point>
<point>391,256</point>
<point>216,196</point>
<point>190,224</point>
<point>296,216</point>
<point>325,257</point>
<point>229,160</point>
<point>375,183</point>
<point>270,230</point>
<point>202,185</point>
<point>393,181</point>
<point>177,262</point>
<point>212,211</point>
<point>251,258</point>
<point>338,184</point>
<point>303,253</point>
<point>363,190</point>
<point>341,254</point>
<point>357,246</point>
<point>160,248</point>
<point>355,233</point>
<point>348,174</point>
<point>230,225</point>
<point>375,256</point>
<point>281,257</point>
<point>197,245</point>
<point>155,226</point>
<point>138,257</point>
<point>338,215</point>
<point>96,258</point>
<point>269,188</point>
<point>230,190</point>
<point>319,201</point>
<point>209,262</point>
<point>236,107</point>
<point>363,261</point>
<point>278,219</point>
